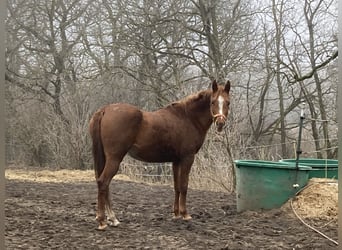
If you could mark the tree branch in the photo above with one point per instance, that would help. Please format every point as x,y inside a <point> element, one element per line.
<point>310,74</point>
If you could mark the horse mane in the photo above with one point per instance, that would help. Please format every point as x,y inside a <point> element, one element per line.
<point>186,103</point>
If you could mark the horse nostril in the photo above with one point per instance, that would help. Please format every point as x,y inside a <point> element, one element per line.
<point>219,124</point>
<point>220,121</point>
<point>219,127</point>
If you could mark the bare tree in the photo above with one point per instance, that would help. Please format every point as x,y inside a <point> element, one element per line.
<point>48,39</point>
<point>42,61</point>
<point>317,52</point>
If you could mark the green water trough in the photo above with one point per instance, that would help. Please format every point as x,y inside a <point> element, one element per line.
<point>321,168</point>
<point>267,184</point>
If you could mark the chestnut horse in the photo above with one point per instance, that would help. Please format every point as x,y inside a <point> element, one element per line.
<point>174,134</point>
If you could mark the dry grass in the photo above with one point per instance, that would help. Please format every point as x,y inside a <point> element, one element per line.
<point>318,200</point>
<point>57,176</point>
<point>202,177</point>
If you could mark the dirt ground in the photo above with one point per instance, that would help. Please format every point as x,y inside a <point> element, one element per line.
<point>48,211</point>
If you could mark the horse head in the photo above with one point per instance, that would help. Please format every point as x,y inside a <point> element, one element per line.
<point>219,104</point>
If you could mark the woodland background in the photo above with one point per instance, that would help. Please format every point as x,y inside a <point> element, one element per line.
<point>65,59</point>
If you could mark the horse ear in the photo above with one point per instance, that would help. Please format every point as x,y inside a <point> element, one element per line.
<point>214,86</point>
<point>227,87</point>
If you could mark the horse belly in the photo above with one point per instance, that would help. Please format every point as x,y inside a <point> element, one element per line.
<point>153,153</point>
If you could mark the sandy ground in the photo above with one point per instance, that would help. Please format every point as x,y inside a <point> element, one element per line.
<point>56,210</point>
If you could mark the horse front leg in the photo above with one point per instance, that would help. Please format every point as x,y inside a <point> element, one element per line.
<point>185,167</point>
<point>176,177</point>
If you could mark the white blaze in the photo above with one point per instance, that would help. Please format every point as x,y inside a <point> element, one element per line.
<point>220,104</point>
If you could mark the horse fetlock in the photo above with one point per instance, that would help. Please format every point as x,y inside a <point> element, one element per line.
<point>100,218</point>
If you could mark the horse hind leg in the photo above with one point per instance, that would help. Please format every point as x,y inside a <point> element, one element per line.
<point>103,204</point>
<point>111,218</point>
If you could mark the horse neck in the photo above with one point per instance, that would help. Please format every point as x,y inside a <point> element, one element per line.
<point>199,112</point>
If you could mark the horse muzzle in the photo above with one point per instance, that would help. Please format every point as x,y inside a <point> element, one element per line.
<point>220,121</point>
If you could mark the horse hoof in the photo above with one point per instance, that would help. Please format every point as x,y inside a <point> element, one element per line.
<point>176,217</point>
<point>114,223</point>
<point>187,217</point>
<point>102,227</point>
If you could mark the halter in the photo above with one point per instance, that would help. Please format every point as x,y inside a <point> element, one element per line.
<point>219,116</point>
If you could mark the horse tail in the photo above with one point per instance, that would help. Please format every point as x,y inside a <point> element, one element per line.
<point>98,153</point>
